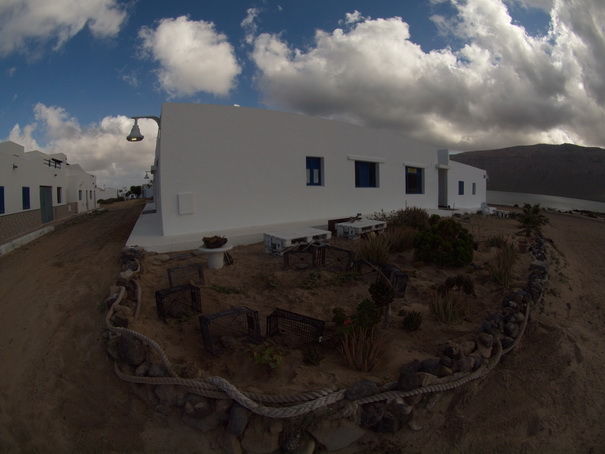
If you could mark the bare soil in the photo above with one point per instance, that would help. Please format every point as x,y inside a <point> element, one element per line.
<point>58,392</point>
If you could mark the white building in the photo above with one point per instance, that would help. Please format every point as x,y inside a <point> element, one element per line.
<point>106,193</point>
<point>240,172</point>
<point>37,188</point>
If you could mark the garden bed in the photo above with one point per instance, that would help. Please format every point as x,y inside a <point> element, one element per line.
<point>258,281</point>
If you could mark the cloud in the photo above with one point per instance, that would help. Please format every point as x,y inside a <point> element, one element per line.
<point>249,24</point>
<point>31,23</point>
<point>193,57</point>
<point>100,148</point>
<point>501,87</point>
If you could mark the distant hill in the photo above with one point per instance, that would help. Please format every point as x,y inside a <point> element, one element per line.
<point>561,170</point>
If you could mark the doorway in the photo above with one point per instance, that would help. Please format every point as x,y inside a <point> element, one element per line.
<point>46,203</point>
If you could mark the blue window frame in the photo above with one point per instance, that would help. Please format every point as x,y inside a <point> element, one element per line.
<point>414,180</point>
<point>25,197</point>
<point>461,188</point>
<point>1,199</point>
<point>314,171</point>
<point>366,174</point>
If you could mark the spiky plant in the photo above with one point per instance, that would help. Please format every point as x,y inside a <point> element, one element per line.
<point>363,348</point>
<point>450,308</point>
<point>412,320</point>
<point>375,249</point>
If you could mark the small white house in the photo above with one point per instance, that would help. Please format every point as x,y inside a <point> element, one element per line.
<point>37,188</point>
<point>105,193</point>
<point>237,171</point>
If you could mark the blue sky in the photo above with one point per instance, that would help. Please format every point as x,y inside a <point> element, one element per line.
<point>460,74</point>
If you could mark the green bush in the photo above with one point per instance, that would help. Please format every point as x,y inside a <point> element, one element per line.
<point>445,243</point>
<point>366,314</point>
<point>268,354</point>
<point>416,218</point>
<point>382,293</point>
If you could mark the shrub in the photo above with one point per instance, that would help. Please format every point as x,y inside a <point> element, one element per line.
<point>449,308</point>
<point>400,239</point>
<point>312,354</point>
<point>382,293</point>
<point>227,290</point>
<point>460,282</point>
<point>445,243</point>
<point>531,220</point>
<point>412,320</point>
<point>366,314</point>
<point>375,249</point>
<point>502,268</point>
<point>340,316</point>
<point>312,280</point>
<point>363,348</point>
<point>496,241</point>
<point>267,354</point>
<point>416,218</point>
<point>111,200</point>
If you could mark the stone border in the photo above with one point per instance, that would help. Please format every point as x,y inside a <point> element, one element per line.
<point>299,423</point>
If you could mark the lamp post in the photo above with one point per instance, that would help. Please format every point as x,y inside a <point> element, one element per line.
<point>135,134</point>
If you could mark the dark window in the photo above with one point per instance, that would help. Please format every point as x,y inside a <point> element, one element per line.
<point>59,195</point>
<point>474,188</point>
<point>25,197</point>
<point>414,180</point>
<point>314,171</point>
<point>461,188</point>
<point>1,199</point>
<point>366,174</point>
<point>80,194</point>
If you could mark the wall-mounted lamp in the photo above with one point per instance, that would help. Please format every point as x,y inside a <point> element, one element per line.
<point>15,166</point>
<point>135,134</point>
<point>147,174</point>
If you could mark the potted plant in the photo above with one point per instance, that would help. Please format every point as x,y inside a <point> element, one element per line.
<point>214,242</point>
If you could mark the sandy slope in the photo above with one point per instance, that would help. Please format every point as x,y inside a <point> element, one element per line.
<point>58,392</point>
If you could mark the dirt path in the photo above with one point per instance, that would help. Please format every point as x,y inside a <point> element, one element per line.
<point>57,389</point>
<point>58,392</point>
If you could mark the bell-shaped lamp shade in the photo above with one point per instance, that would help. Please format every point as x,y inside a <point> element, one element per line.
<point>135,135</point>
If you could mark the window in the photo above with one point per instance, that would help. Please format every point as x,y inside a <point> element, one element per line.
<point>25,197</point>
<point>461,188</point>
<point>314,171</point>
<point>59,195</point>
<point>366,174</point>
<point>414,180</point>
<point>80,194</point>
<point>1,199</point>
<point>474,188</point>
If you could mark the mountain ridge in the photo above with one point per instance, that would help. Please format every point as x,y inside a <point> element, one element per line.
<point>564,170</point>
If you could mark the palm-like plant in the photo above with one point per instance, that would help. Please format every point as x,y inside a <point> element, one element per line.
<point>531,220</point>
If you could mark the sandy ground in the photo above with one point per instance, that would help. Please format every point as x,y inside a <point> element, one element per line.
<point>58,392</point>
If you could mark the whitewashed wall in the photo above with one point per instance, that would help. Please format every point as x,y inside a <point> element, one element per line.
<point>468,175</point>
<point>234,167</point>
<point>31,171</point>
